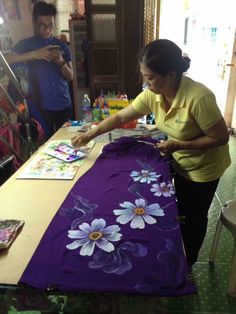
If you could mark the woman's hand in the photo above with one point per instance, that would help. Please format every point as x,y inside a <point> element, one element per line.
<point>168,147</point>
<point>215,136</point>
<point>80,140</point>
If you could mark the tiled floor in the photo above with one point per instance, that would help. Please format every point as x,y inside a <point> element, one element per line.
<point>212,282</point>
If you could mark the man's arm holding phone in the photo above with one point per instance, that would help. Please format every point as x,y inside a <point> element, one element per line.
<point>40,54</point>
<point>51,53</point>
<point>66,67</point>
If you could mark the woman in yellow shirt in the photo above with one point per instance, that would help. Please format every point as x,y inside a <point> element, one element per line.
<point>197,134</point>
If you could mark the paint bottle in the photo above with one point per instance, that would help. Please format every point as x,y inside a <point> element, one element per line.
<point>87,110</point>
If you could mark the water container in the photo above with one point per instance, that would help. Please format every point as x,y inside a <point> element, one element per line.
<point>86,110</point>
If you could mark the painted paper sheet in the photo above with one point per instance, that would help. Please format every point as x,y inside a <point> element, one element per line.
<point>44,166</point>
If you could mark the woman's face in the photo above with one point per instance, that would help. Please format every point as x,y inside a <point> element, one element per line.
<point>157,83</point>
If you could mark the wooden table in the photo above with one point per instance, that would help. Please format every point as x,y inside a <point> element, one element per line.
<point>35,202</point>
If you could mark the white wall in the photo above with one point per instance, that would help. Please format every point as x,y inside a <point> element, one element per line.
<point>21,28</point>
<point>172,21</point>
<point>211,31</point>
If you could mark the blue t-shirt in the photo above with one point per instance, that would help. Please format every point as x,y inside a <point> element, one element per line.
<point>48,89</point>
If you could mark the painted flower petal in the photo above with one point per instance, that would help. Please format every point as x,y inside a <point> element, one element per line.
<point>77,234</point>
<point>87,248</point>
<point>167,193</point>
<point>123,211</point>
<point>127,205</point>
<point>98,224</point>
<point>158,212</point>
<point>136,178</point>
<point>112,236</point>
<point>152,179</point>
<point>137,223</point>
<point>74,245</point>
<point>123,219</point>
<point>85,227</point>
<point>134,173</point>
<point>153,173</point>
<point>155,186</point>
<point>105,245</point>
<point>140,202</point>
<point>151,207</point>
<point>149,219</point>
<point>143,180</point>
<point>111,229</point>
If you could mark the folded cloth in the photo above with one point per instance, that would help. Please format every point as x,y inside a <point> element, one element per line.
<point>8,231</point>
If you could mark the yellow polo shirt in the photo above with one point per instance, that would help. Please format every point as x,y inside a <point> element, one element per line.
<point>194,110</point>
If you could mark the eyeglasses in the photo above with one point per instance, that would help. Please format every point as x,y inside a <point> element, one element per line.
<point>45,26</point>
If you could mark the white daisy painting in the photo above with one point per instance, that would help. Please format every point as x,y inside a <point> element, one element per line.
<point>138,213</point>
<point>144,176</point>
<point>163,188</point>
<point>96,234</point>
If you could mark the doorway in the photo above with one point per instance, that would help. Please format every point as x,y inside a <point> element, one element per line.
<point>205,32</point>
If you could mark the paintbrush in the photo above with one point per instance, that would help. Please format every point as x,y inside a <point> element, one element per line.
<point>146,142</point>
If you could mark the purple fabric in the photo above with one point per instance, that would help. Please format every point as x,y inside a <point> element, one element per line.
<point>117,229</point>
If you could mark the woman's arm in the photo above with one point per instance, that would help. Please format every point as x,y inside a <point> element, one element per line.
<point>217,135</point>
<point>125,115</point>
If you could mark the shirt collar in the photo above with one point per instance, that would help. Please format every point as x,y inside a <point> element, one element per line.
<point>159,98</point>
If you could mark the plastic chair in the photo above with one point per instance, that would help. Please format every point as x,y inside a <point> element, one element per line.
<point>228,219</point>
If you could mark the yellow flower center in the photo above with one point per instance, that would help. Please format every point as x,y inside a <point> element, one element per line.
<point>139,211</point>
<point>96,235</point>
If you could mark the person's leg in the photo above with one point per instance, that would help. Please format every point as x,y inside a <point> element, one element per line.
<point>194,200</point>
<point>49,118</point>
<point>55,119</point>
<point>60,117</point>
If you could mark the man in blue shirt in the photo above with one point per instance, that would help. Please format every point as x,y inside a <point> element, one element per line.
<point>49,68</point>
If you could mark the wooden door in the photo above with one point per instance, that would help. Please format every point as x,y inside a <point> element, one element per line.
<point>115,32</point>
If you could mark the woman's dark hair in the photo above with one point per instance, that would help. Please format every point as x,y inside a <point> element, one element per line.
<point>42,8</point>
<point>162,56</point>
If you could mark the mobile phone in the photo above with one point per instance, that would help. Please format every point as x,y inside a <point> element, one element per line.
<point>54,47</point>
